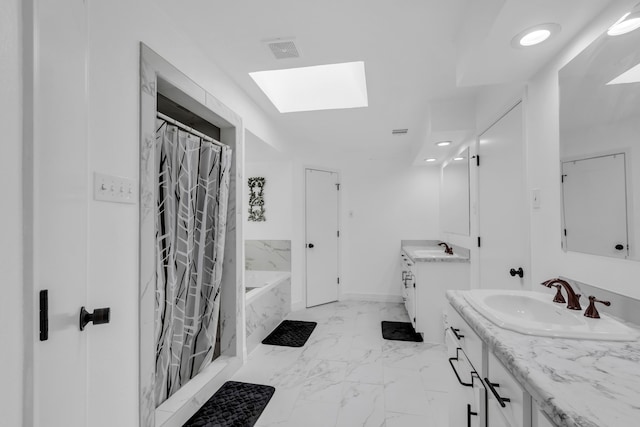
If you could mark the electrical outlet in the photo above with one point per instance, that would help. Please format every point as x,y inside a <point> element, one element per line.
<point>109,188</point>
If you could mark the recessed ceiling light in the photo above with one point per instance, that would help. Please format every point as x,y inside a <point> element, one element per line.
<point>431,159</point>
<point>632,75</point>
<point>399,131</point>
<point>458,158</point>
<point>630,21</point>
<point>443,143</point>
<point>321,87</point>
<point>534,35</point>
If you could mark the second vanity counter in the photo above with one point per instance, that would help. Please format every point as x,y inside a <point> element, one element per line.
<point>576,383</point>
<point>429,251</point>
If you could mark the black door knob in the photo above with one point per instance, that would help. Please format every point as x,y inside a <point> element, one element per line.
<point>518,272</point>
<point>310,245</point>
<point>619,247</point>
<point>98,317</point>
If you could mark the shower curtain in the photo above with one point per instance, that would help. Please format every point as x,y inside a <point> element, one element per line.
<point>193,192</point>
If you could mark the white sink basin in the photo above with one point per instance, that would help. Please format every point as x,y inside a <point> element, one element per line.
<point>535,313</point>
<point>433,253</point>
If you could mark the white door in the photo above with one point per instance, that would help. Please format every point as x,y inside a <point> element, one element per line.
<point>57,198</point>
<point>321,209</point>
<point>502,204</point>
<point>595,205</point>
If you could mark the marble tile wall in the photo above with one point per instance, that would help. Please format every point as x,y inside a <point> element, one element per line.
<point>266,311</point>
<point>268,255</point>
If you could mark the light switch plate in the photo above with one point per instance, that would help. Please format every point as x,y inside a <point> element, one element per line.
<point>535,198</point>
<point>115,189</point>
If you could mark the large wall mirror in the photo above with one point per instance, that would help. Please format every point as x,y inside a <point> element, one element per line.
<point>599,148</point>
<point>454,211</point>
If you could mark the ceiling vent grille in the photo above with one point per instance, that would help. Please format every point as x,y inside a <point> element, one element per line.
<point>283,49</point>
<point>399,131</point>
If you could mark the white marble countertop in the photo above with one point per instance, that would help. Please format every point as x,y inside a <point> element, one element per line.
<point>577,383</point>
<point>411,250</point>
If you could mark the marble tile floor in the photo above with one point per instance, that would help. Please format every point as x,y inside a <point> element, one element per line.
<point>347,375</point>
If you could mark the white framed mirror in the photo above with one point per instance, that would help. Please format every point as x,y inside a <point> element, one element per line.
<point>454,207</point>
<point>599,143</point>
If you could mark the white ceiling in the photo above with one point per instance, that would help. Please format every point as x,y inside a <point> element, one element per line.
<point>421,57</point>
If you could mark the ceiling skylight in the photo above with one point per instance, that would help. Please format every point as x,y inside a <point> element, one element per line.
<point>632,75</point>
<point>321,87</point>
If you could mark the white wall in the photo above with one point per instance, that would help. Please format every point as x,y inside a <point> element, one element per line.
<point>543,170</point>
<point>384,202</point>
<point>11,332</point>
<point>278,201</point>
<point>389,200</point>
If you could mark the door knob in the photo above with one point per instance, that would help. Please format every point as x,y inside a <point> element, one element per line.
<point>98,317</point>
<point>310,245</point>
<point>519,272</point>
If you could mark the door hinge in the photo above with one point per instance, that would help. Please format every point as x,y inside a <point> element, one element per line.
<point>478,241</point>
<point>338,233</point>
<point>338,187</point>
<point>414,284</point>
<point>338,280</point>
<point>414,320</point>
<point>565,232</point>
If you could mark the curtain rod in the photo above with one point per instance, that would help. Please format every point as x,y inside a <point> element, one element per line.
<point>188,129</point>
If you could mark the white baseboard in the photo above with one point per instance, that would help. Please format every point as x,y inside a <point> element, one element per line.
<point>297,305</point>
<point>371,297</point>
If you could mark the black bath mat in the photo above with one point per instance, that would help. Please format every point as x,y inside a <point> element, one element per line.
<point>236,404</point>
<point>400,331</point>
<point>290,333</point>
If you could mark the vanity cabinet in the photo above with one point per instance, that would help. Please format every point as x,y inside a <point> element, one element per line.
<point>509,406</point>
<point>424,285</point>
<point>467,394</point>
<point>409,287</point>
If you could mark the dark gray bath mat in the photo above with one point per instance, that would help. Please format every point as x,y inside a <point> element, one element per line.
<point>290,333</point>
<point>236,404</point>
<point>400,331</point>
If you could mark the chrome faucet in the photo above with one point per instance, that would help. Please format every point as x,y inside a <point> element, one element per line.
<point>447,248</point>
<point>574,299</point>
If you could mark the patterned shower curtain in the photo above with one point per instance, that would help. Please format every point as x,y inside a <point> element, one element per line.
<point>193,192</point>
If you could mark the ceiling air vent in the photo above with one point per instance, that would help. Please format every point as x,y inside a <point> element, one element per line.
<point>283,48</point>
<point>399,131</point>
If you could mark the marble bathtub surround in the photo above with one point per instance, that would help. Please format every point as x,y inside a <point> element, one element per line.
<point>346,375</point>
<point>577,383</point>
<point>268,255</point>
<point>266,309</point>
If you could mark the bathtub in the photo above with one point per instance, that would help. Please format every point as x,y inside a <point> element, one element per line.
<point>268,301</point>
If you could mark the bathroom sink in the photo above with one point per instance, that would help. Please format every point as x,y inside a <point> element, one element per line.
<point>433,253</point>
<point>534,313</point>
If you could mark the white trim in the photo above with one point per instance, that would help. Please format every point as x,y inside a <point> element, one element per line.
<point>297,306</point>
<point>372,297</point>
<point>304,210</point>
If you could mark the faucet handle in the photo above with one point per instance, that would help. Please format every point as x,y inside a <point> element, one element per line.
<point>591,311</point>
<point>558,298</point>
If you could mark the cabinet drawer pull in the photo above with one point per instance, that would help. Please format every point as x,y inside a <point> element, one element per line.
<point>455,332</point>
<point>451,359</point>
<point>469,413</point>
<point>500,399</point>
